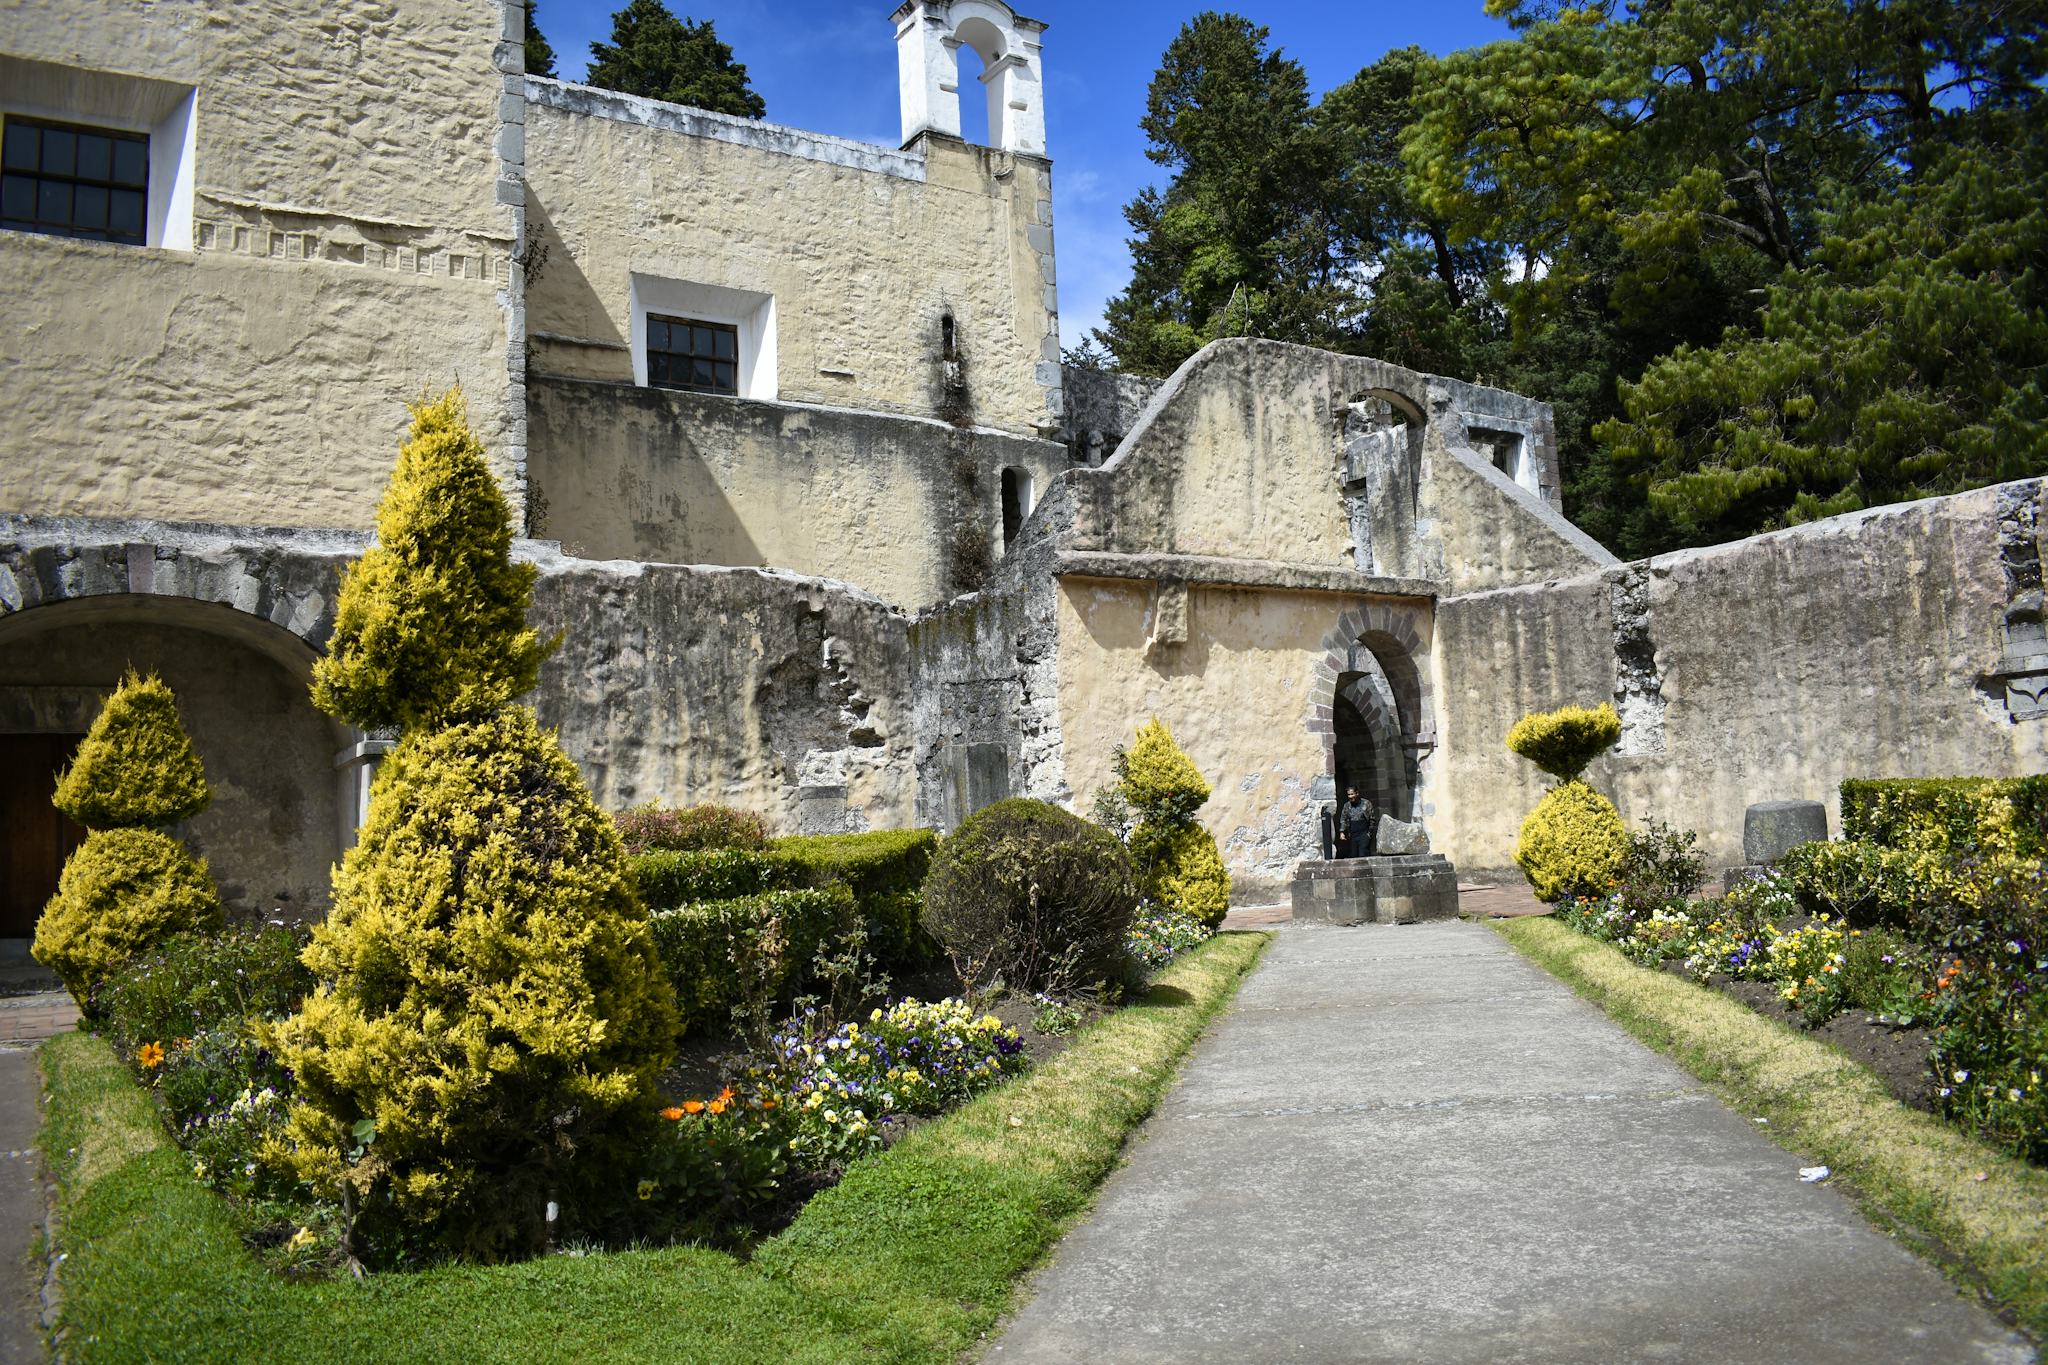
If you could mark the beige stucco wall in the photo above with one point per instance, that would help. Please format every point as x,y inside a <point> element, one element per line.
<point>861,262</point>
<point>348,252</point>
<point>1238,695</point>
<point>1852,647</point>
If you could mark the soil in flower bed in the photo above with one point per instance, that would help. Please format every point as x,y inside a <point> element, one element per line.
<point>1897,1055</point>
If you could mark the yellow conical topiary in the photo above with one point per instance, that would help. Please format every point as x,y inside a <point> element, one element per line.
<point>1176,860</point>
<point>136,767</point>
<point>430,626</point>
<point>121,891</point>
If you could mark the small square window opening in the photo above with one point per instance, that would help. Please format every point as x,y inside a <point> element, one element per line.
<point>685,353</point>
<point>64,180</point>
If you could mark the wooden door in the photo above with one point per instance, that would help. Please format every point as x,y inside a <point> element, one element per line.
<point>34,838</point>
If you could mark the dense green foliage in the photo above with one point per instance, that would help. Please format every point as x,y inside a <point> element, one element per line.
<point>656,55</point>
<point>911,1258</point>
<point>191,982</point>
<point>1564,741</point>
<point>1781,258</point>
<point>492,1017</point>
<point>650,827</point>
<point>1893,812</point>
<point>135,766</point>
<point>1029,895</point>
<point>1175,859</point>
<point>1574,843</point>
<point>430,626</point>
<point>665,880</point>
<point>121,892</point>
<point>748,952</point>
<point>540,53</point>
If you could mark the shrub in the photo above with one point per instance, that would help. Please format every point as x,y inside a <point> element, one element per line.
<point>1564,741</point>
<point>649,828</point>
<point>1030,895</point>
<point>1179,867</point>
<point>884,869</point>
<point>1662,868</point>
<point>665,881</point>
<point>121,892</point>
<point>192,982</point>
<point>716,1165</point>
<point>1157,779</point>
<point>430,624</point>
<point>1859,883</point>
<point>749,952</point>
<point>135,766</point>
<point>1955,812</point>
<point>1991,1001</point>
<point>492,1018</point>
<point>1572,844</point>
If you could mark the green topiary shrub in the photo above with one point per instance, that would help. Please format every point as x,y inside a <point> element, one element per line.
<point>1573,844</point>
<point>748,953</point>
<point>667,880</point>
<point>1175,860</point>
<point>492,1017</point>
<point>1564,741</point>
<point>885,870</point>
<point>649,828</point>
<point>135,766</point>
<point>121,892</point>
<point>1030,895</point>
<point>430,625</point>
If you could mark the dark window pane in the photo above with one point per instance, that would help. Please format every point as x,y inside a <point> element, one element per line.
<point>727,378</point>
<point>657,335</point>
<point>60,152</point>
<point>724,348</point>
<point>18,197</point>
<point>95,157</point>
<point>659,372</point>
<point>124,213</point>
<point>53,201</point>
<point>89,207</point>
<point>131,162</point>
<point>21,146</point>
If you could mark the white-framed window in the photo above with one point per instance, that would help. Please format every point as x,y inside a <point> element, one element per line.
<point>660,306</point>
<point>57,125</point>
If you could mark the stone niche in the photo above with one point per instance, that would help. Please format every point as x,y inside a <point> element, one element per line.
<point>1402,889</point>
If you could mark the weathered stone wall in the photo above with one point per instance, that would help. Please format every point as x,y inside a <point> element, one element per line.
<point>1099,407</point>
<point>907,508</point>
<point>341,246</point>
<point>862,250</point>
<point>1867,645</point>
<point>1252,451</point>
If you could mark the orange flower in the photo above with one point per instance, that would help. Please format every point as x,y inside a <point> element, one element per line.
<point>671,1113</point>
<point>767,1104</point>
<point>693,1106</point>
<point>716,1106</point>
<point>151,1055</point>
<point>725,1095</point>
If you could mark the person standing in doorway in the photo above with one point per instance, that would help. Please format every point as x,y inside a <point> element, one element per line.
<point>1358,826</point>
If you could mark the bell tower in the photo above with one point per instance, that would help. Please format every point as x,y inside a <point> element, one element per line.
<point>929,36</point>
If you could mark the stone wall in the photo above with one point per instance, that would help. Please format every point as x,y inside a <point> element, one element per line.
<point>855,253</point>
<point>1867,645</point>
<point>336,244</point>
<point>1099,408</point>
<point>907,508</point>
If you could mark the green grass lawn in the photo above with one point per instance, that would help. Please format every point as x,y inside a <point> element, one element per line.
<point>1911,1170</point>
<point>911,1257</point>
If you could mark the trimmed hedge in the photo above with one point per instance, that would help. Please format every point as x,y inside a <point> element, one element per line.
<point>723,953</point>
<point>667,879</point>
<point>1890,811</point>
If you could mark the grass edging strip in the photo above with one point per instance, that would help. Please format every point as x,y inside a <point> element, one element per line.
<point>1982,1206</point>
<point>909,1258</point>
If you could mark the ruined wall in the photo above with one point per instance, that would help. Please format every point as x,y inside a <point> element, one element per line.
<point>339,242</point>
<point>907,508</point>
<point>1098,408</point>
<point>1238,692</point>
<point>1867,645</point>
<point>861,249</point>
<point>1251,452</point>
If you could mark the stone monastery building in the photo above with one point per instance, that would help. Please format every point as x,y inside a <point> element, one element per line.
<point>831,533</point>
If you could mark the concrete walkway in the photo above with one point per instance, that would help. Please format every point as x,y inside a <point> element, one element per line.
<point>21,1208</point>
<point>1408,1144</point>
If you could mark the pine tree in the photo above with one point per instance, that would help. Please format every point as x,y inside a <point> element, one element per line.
<point>656,55</point>
<point>540,53</point>
<point>431,626</point>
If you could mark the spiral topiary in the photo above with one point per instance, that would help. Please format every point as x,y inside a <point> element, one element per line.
<point>1175,859</point>
<point>491,1017</point>
<point>121,892</point>
<point>135,766</point>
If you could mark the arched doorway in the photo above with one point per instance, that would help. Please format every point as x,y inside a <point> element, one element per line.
<point>275,827</point>
<point>1369,701</point>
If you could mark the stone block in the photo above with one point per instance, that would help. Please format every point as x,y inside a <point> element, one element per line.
<point>1771,828</point>
<point>1399,836</point>
<point>1380,890</point>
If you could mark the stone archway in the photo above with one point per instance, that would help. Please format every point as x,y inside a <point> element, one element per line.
<point>1371,706</point>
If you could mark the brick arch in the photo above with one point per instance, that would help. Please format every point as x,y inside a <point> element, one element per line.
<point>1374,661</point>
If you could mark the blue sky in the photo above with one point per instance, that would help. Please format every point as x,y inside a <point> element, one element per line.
<point>830,66</point>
